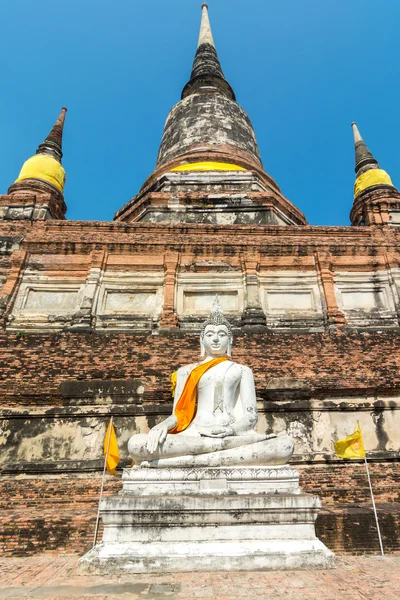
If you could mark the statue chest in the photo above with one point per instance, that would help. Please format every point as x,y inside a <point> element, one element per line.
<point>217,390</point>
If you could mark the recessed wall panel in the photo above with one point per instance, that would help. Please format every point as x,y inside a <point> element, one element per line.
<point>131,302</point>
<point>292,301</point>
<point>363,300</point>
<point>50,300</point>
<point>202,302</point>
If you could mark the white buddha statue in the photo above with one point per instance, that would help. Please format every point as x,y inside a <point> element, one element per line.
<point>214,414</point>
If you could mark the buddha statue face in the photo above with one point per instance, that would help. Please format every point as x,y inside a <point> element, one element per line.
<point>216,340</point>
<point>216,334</point>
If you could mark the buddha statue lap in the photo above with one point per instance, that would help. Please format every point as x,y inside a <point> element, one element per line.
<point>214,413</point>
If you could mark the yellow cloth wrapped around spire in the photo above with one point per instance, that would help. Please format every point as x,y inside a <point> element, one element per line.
<point>44,168</point>
<point>185,409</point>
<point>208,166</point>
<point>371,178</point>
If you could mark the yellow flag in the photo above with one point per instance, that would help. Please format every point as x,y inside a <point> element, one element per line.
<point>352,446</point>
<point>113,452</point>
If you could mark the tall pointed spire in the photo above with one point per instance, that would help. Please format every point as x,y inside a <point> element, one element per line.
<point>207,73</point>
<point>206,36</point>
<point>52,145</point>
<point>209,148</point>
<point>364,158</point>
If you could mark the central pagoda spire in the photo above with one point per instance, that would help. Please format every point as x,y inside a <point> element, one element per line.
<point>207,74</point>
<point>209,167</point>
<point>208,124</point>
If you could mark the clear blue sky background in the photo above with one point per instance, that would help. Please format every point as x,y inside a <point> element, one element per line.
<point>302,69</point>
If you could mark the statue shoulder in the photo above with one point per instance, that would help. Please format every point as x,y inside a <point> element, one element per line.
<point>243,369</point>
<point>186,369</point>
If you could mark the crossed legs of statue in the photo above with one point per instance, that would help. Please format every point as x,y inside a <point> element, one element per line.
<point>189,451</point>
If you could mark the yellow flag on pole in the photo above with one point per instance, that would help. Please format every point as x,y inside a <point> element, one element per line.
<point>111,452</point>
<point>352,446</point>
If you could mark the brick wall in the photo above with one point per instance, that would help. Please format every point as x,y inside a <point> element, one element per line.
<point>33,365</point>
<point>50,514</point>
<point>58,513</point>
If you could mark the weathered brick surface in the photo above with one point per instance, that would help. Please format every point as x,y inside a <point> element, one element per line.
<point>47,530</point>
<point>75,237</point>
<point>50,514</point>
<point>347,483</point>
<point>54,513</point>
<point>52,528</point>
<point>352,529</point>
<point>33,365</point>
<point>58,513</point>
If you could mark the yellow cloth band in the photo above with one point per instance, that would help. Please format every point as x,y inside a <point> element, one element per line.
<point>369,179</point>
<point>45,168</point>
<point>208,166</point>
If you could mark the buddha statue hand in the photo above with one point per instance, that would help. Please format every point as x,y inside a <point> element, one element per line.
<point>158,434</point>
<point>216,431</point>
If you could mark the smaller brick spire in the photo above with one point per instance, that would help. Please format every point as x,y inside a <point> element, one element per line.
<point>374,192</point>
<point>52,145</point>
<point>368,172</point>
<point>45,166</point>
<point>364,158</point>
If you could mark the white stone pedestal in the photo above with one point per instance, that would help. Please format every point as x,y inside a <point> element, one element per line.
<point>208,519</point>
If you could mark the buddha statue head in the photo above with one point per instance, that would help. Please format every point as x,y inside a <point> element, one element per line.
<point>216,333</point>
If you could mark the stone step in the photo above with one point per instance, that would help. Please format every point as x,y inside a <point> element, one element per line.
<point>344,529</point>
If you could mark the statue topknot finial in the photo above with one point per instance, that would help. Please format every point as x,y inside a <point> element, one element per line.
<point>216,318</point>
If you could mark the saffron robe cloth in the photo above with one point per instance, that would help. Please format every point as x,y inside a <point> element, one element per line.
<point>185,409</point>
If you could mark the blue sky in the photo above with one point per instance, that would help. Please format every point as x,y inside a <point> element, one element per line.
<point>302,69</point>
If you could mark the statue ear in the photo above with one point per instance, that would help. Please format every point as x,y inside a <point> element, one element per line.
<point>202,349</point>
<point>229,351</point>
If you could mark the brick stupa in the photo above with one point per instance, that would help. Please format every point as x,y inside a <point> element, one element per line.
<point>95,316</point>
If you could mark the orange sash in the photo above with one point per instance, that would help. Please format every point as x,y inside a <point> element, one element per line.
<point>185,409</point>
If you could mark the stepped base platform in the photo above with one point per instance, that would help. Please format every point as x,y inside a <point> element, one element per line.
<point>208,519</point>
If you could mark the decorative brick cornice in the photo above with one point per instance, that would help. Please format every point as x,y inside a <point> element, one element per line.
<point>372,206</point>
<point>149,193</point>
<point>33,200</point>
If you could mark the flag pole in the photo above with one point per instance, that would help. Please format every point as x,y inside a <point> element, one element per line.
<point>373,504</point>
<point>102,482</point>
